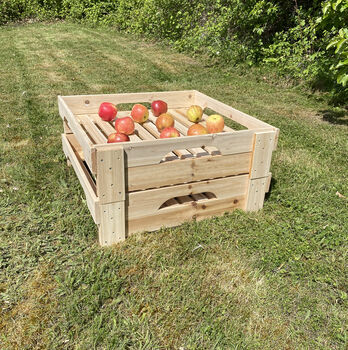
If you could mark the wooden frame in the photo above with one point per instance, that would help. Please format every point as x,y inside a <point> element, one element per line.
<point>150,182</point>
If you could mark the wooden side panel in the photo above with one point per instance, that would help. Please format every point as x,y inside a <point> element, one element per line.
<point>75,145</point>
<point>147,202</point>
<point>178,214</point>
<point>187,170</point>
<point>111,175</point>
<point>259,171</point>
<point>79,133</point>
<point>256,194</point>
<point>262,154</point>
<point>90,103</point>
<point>84,178</point>
<point>66,127</point>
<point>112,228</point>
<point>152,152</point>
<point>229,112</point>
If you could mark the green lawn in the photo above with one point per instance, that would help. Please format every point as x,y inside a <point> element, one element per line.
<point>276,279</point>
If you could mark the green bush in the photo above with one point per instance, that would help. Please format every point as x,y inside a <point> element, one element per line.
<point>335,16</point>
<point>302,38</point>
<point>297,51</point>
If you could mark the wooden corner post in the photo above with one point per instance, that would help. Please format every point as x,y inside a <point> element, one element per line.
<point>259,175</point>
<point>111,192</point>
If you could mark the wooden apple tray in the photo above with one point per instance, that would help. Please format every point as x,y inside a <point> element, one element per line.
<point>149,182</point>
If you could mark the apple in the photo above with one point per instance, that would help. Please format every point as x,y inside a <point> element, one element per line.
<point>158,107</point>
<point>169,132</point>
<point>194,114</point>
<point>165,120</point>
<point>196,129</point>
<point>124,125</point>
<point>107,111</point>
<point>140,113</point>
<point>117,137</point>
<point>215,123</point>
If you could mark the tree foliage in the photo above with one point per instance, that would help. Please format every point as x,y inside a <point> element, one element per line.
<point>305,40</point>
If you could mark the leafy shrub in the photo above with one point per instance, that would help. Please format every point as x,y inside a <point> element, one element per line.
<point>335,16</point>
<point>302,38</point>
<point>296,51</point>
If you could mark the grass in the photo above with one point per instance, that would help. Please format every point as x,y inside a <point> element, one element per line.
<point>276,279</point>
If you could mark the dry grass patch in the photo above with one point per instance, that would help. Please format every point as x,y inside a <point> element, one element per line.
<point>28,324</point>
<point>14,144</point>
<point>54,77</point>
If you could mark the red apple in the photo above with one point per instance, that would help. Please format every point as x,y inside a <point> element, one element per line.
<point>139,113</point>
<point>117,137</point>
<point>124,125</point>
<point>107,111</point>
<point>194,114</point>
<point>169,132</point>
<point>165,120</point>
<point>158,107</point>
<point>215,124</point>
<point>196,129</point>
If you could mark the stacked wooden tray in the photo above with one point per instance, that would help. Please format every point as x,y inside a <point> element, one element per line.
<point>149,182</point>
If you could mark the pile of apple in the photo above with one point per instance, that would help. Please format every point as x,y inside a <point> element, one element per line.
<point>124,126</point>
<point>165,122</point>
<point>214,123</point>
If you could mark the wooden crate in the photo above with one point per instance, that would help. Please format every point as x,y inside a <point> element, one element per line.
<point>149,182</point>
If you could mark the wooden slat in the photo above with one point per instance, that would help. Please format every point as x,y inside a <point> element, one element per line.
<point>222,188</point>
<point>177,214</point>
<point>210,195</point>
<point>262,154</point>
<point>143,133</point>
<point>85,179</point>
<point>188,170</point>
<point>134,138</point>
<point>229,112</point>
<point>78,131</point>
<point>151,152</point>
<point>75,145</point>
<point>92,129</point>
<point>199,197</point>
<point>106,127</point>
<point>112,227</point>
<point>90,103</point>
<point>66,127</point>
<point>184,199</point>
<point>256,193</point>
<point>110,175</point>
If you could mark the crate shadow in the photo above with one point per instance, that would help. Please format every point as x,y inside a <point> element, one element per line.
<point>271,186</point>
<point>338,117</point>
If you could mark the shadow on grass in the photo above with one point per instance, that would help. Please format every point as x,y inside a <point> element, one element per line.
<point>272,184</point>
<point>335,116</point>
